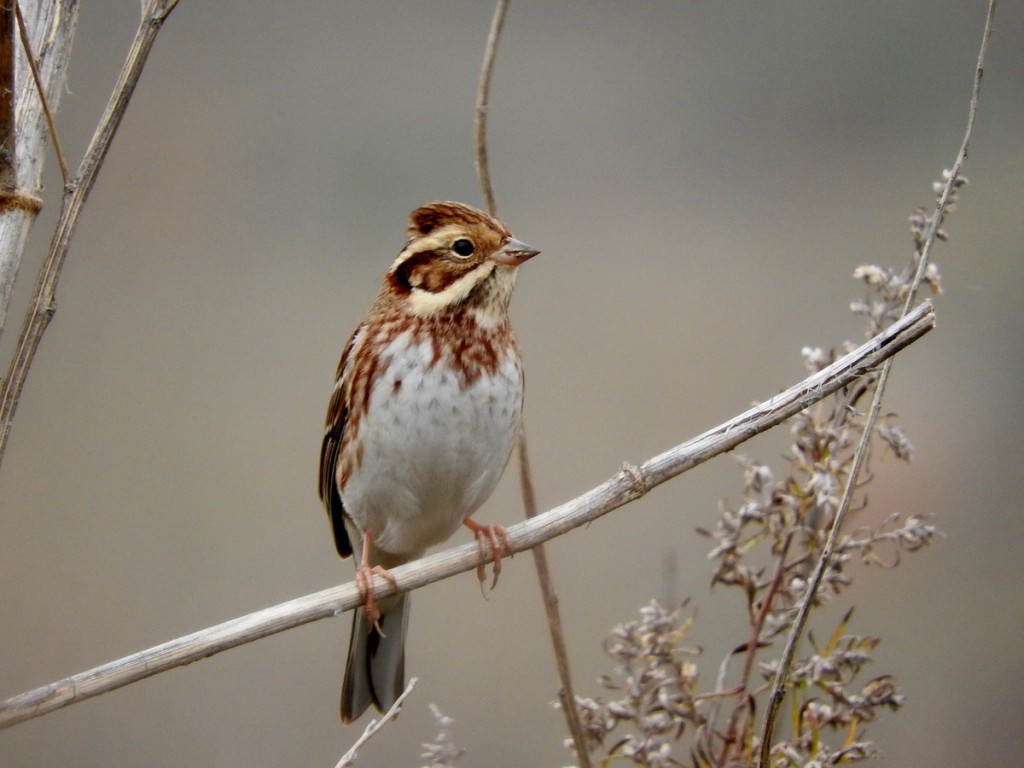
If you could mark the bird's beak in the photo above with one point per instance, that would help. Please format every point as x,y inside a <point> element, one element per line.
<point>514,253</point>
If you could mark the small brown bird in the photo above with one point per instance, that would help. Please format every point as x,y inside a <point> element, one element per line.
<point>424,413</point>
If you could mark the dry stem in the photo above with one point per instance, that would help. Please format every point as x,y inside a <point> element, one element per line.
<point>8,170</point>
<point>51,28</point>
<point>483,170</point>
<point>566,694</point>
<point>778,690</point>
<point>43,296</point>
<point>41,91</point>
<point>349,758</point>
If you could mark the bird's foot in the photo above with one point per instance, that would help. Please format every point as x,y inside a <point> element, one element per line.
<point>492,540</point>
<point>364,580</point>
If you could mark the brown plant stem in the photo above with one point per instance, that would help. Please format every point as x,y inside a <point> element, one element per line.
<point>778,689</point>
<point>43,303</point>
<point>43,99</point>
<point>566,694</point>
<point>629,484</point>
<point>8,169</point>
<point>549,594</point>
<point>50,26</point>
<point>756,626</point>
<point>483,169</point>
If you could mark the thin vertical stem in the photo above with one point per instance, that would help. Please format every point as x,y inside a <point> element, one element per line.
<point>33,66</point>
<point>8,170</point>
<point>483,170</point>
<point>778,691</point>
<point>566,695</point>
<point>547,587</point>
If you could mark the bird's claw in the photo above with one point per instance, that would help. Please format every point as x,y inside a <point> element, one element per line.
<point>492,540</point>
<point>364,581</point>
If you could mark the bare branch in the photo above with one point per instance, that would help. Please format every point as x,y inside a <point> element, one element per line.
<point>43,297</point>
<point>375,725</point>
<point>547,586</point>
<point>778,690</point>
<point>483,170</point>
<point>566,693</point>
<point>51,26</point>
<point>627,485</point>
<point>44,100</point>
<point>8,170</point>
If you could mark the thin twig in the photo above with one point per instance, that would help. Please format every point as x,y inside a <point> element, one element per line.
<point>43,296</point>
<point>566,693</point>
<point>483,170</point>
<point>756,626</point>
<point>34,68</point>
<point>51,28</point>
<point>549,594</point>
<point>8,166</point>
<point>629,484</point>
<point>375,725</point>
<point>954,172</point>
<point>778,690</point>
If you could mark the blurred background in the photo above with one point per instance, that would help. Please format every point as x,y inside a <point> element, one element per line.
<point>703,178</point>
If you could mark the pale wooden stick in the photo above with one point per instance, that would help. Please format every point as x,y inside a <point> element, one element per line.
<point>51,26</point>
<point>629,484</point>
<point>44,100</point>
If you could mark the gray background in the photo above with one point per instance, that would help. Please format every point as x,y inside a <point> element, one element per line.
<point>703,178</point>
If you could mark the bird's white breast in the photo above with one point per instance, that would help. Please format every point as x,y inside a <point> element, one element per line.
<point>432,446</point>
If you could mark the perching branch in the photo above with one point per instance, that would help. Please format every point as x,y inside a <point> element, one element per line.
<point>43,297</point>
<point>629,484</point>
<point>778,690</point>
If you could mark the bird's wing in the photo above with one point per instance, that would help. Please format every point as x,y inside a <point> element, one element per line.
<point>334,431</point>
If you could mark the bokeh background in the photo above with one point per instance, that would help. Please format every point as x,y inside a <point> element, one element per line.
<point>703,178</point>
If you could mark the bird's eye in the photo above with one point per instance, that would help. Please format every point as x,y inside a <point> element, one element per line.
<point>463,247</point>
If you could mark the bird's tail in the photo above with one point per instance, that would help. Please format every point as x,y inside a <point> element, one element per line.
<point>375,670</point>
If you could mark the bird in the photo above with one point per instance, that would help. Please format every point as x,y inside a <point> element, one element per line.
<point>425,410</point>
